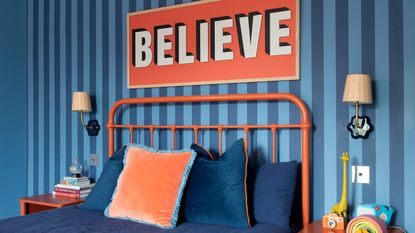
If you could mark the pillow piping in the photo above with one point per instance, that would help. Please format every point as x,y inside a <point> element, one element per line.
<point>245,186</point>
<point>185,175</point>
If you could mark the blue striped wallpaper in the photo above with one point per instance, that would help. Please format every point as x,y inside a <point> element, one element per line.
<point>81,45</point>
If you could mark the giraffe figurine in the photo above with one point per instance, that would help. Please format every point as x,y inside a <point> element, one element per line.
<point>341,207</point>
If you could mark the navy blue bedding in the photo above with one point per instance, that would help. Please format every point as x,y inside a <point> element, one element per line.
<point>72,219</point>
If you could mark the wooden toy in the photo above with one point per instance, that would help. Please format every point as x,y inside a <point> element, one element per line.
<point>341,207</point>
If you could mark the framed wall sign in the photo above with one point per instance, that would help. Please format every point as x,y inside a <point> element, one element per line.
<point>213,41</point>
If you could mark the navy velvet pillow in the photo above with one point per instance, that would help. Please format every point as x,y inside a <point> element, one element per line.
<point>101,194</point>
<point>273,188</point>
<point>216,189</point>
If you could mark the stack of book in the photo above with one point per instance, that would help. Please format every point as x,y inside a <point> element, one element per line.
<point>73,187</point>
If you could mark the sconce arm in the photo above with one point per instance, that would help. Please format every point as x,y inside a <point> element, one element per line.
<point>356,106</point>
<point>82,120</point>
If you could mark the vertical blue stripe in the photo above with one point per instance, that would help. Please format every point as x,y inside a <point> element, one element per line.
<point>330,117</point>
<point>272,118</point>
<point>368,67</point>
<point>306,52</point>
<point>79,74</point>
<point>263,153</point>
<point>112,59</point>
<point>106,75</point>
<point>93,67</point>
<point>155,117</point>
<point>283,118</point>
<point>41,115</point>
<point>112,52</point>
<point>45,188</point>
<point>147,116</point>
<point>74,80</point>
<point>86,77</point>
<point>231,135</point>
<point>355,66</point>
<point>242,109</point>
<point>57,140</point>
<point>51,99</point>
<point>196,110</point>
<point>318,108</point>
<point>204,135</point>
<point>161,3</point>
<point>68,86</point>
<point>214,120</point>
<point>154,4</point>
<point>223,114</point>
<point>396,85</point>
<point>178,120</point>
<point>187,117</point>
<point>162,115</point>
<point>138,4</point>
<point>62,90</point>
<point>252,119</point>
<point>409,133</point>
<point>382,101</point>
<point>30,97</point>
<point>342,69</point>
<point>171,118</point>
<point>142,117</point>
<point>295,118</point>
<point>99,46</point>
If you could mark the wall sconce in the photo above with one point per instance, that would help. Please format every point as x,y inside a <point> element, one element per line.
<point>358,90</point>
<point>81,102</point>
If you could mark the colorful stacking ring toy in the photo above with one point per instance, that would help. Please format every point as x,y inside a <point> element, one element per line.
<point>366,224</point>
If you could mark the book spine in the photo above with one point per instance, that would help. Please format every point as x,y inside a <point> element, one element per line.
<point>90,186</point>
<point>66,195</point>
<point>64,190</point>
<point>68,178</point>
<point>68,187</point>
<point>76,183</point>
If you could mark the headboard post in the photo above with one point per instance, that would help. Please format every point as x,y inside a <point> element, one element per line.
<point>304,125</point>
<point>305,174</point>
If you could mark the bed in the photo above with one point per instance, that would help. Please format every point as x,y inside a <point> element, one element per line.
<point>74,219</point>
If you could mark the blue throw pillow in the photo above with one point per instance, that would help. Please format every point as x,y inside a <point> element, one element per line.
<point>272,188</point>
<point>100,196</point>
<point>216,189</point>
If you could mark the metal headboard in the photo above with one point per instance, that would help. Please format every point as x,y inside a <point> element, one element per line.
<point>304,125</point>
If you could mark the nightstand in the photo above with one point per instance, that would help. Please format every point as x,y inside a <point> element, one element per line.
<point>315,227</point>
<point>30,205</point>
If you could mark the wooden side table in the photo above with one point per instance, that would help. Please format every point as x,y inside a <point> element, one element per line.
<point>315,227</point>
<point>30,205</point>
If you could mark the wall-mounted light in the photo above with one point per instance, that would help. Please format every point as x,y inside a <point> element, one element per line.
<point>358,90</point>
<point>81,102</point>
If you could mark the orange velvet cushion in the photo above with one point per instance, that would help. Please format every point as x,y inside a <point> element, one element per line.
<point>150,187</point>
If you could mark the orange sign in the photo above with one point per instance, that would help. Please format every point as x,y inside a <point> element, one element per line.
<point>214,41</point>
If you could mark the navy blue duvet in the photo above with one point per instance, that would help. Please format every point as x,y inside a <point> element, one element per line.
<point>72,219</point>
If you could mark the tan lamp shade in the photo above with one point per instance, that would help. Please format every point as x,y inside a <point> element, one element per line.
<point>81,102</point>
<point>358,88</point>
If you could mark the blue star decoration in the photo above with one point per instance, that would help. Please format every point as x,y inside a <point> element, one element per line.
<point>360,132</point>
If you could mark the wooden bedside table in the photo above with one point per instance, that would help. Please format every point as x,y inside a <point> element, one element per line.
<point>30,205</point>
<point>315,227</point>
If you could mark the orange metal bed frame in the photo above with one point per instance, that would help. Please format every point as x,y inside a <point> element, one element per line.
<point>304,125</point>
